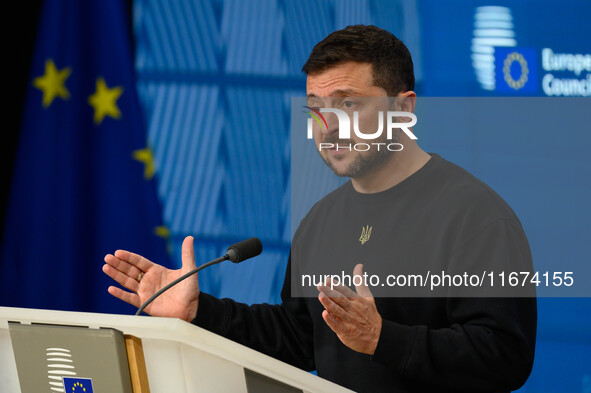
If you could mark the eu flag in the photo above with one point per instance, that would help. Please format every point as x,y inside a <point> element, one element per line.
<point>84,181</point>
<point>78,385</point>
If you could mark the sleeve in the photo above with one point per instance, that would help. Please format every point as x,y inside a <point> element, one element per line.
<point>282,331</point>
<point>488,344</point>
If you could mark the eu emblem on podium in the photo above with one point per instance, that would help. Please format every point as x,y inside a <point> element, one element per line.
<point>78,385</point>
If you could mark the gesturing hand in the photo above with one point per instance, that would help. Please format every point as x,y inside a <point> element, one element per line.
<point>352,316</point>
<point>144,278</point>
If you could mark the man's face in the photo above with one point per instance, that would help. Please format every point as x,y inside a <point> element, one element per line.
<point>345,87</point>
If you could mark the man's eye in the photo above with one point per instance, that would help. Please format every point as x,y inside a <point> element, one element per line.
<point>349,104</point>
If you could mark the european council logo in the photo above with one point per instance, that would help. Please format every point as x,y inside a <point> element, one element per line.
<point>78,385</point>
<point>516,70</point>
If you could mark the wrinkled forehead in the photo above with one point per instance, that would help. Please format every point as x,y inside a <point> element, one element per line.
<point>347,79</point>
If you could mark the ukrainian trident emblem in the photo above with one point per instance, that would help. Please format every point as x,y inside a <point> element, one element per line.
<point>365,234</point>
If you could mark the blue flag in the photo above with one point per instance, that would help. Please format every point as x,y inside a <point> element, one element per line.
<point>78,385</point>
<point>84,183</point>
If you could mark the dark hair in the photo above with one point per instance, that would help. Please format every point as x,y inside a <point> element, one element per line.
<point>390,59</point>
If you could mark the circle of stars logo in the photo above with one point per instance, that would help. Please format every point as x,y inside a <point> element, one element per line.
<point>520,82</point>
<point>78,387</point>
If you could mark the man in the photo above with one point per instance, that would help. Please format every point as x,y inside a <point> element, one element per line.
<point>422,209</point>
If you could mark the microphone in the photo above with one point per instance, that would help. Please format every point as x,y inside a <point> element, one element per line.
<point>244,250</point>
<point>236,253</point>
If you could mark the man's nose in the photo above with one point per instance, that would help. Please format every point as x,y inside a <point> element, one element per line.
<point>332,124</point>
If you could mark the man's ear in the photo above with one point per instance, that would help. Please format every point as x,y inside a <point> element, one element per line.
<point>405,101</point>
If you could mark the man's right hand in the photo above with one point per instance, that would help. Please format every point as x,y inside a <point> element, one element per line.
<point>180,301</point>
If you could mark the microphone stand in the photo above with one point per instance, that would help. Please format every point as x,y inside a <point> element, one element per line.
<point>181,278</point>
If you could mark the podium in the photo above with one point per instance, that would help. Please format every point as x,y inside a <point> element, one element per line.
<point>169,354</point>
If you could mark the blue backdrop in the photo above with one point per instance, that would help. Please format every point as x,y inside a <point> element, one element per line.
<point>220,74</point>
<point>215,77</point>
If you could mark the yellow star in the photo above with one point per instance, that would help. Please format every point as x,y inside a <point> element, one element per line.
<point>104,101</point>
<point>162,231</point>
<point>53,83</point>
<point>146,157</point>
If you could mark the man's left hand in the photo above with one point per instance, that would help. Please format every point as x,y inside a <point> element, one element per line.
<point>353,316</point>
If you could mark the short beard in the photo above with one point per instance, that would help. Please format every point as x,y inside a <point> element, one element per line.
<point>362,165</point>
